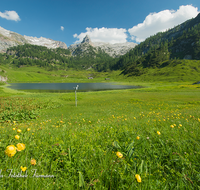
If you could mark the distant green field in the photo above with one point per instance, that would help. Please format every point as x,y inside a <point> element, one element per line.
<point>36,74</point>
<point>169,71</point>
<point>156,130</point>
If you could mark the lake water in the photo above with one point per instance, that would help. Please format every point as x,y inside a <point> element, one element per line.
<point>68,86</point>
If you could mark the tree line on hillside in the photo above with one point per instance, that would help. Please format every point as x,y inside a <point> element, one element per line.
<point>158,48</point>
<point>53,59</point>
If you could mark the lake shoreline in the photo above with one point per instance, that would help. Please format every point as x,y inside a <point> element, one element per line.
<point>69,87</point>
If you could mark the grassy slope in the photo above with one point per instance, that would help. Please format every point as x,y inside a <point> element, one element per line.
<point>179,70</point>
<point>78,145</point>
<point>169,71</point>
<point>36,74</point>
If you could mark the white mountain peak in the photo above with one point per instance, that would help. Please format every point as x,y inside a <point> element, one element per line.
<point>113,50</point>
<point>9,39</point>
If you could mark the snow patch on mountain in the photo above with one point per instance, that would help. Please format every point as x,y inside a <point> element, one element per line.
<point>49,43</point>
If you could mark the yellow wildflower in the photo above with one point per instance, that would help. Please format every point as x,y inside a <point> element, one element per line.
<point>172,126</point>
<point>20,146</point>
<point>158,132</point>
<point>19,130</point>
<point>23,168</point>
<point>17,137</point>
<point>139,180</point>
<point>137,137</point>
<point>13,129</point>
<point>33,162</point>
<point>28,129</point>
<point>10,150</point>
<point>119,154</point>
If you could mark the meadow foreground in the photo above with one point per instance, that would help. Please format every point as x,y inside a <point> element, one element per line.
<point>125,139</point>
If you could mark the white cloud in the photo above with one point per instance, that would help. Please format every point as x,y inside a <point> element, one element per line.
<point>161,21</point>
<point>110,35</point>
<point>10,15</point>
<point>62,28</point>
<point>75,35</point>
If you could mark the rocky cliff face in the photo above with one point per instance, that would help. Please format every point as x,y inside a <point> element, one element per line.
<point>9,39</point>
<point>85,47</point>
<point>51,44</point>
<point>87,40</point>
<point>114,50</point>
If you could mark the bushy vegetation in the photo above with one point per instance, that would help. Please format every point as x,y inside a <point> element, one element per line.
<point>21,109</point>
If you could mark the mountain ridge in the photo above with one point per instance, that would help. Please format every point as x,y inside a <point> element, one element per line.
<point>113,50</point>
<point>9,39</point>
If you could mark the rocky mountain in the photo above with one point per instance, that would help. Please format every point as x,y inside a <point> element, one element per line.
<point>114,50</point>
<point>49,43</point>
<point>85,46</point>
<point>10,39</point>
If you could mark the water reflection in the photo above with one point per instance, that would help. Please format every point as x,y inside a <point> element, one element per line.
<point>68,86</point>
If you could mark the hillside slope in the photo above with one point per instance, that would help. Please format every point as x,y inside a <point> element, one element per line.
<point>181,42</point>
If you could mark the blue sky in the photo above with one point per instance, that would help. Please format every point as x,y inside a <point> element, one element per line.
<point>112,21</point>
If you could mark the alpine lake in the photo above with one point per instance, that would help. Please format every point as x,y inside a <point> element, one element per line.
<point>68,87</point>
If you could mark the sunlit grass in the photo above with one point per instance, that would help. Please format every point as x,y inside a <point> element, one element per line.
<point>120,139</point>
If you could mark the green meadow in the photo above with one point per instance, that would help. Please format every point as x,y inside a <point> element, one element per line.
<point>106,142</point>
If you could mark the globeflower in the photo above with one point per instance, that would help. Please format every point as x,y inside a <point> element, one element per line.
<point>119,154</point>
<point>23,168</point>
<point>33,162</point>
<point>139,180</point>
<point>19,130</point>
<point>10,151</point>
<point>20,146</point>
<point>17,137</point>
